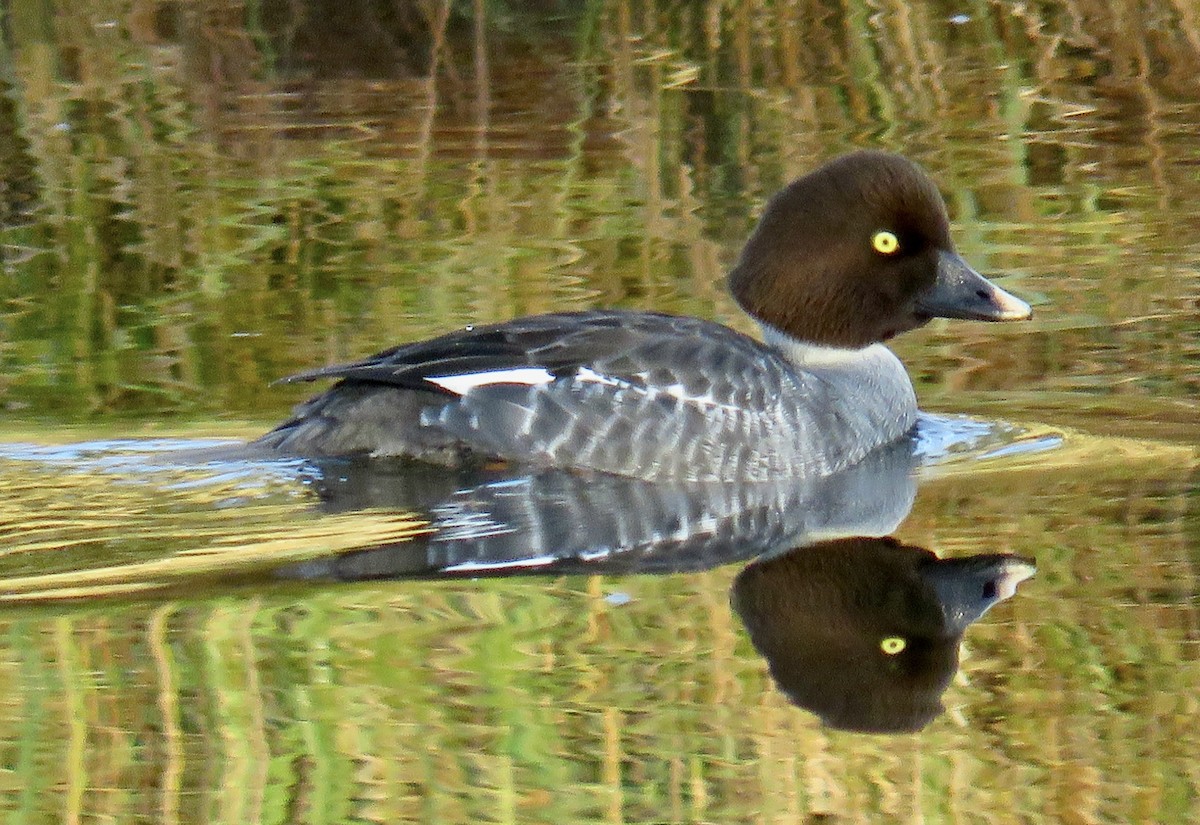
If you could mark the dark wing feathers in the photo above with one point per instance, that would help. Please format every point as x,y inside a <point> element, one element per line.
<point>560,343</point>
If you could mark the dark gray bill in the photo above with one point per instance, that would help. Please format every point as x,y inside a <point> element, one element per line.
<point>967,587</point>
<point>961,292</point>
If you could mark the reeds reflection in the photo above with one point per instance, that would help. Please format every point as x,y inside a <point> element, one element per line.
<point>198,199</point>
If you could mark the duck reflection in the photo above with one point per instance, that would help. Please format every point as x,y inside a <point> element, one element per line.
<point>560,521</point>
<point>856,627</point>
<point>865,632</point>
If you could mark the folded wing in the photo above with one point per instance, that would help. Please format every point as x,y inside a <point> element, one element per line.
<point>638,394</point>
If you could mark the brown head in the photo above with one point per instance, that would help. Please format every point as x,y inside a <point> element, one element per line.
<point>858,251</point>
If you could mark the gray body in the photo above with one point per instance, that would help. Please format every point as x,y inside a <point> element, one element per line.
<point>637,394</point>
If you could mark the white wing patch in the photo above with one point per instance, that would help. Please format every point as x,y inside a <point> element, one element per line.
<point>513,564</point>
<point>463,383</point>
<point>590,376</point>
<point>679,391</point>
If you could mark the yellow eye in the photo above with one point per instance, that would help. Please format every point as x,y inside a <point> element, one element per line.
<point>885,243</point>
<point>893,645</point>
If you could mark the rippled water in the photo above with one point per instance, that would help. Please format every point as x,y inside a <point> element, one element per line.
<point>199,199</point>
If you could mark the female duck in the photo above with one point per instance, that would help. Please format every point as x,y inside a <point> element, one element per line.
<point>842,260</point>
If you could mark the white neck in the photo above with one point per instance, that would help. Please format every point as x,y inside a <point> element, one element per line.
<point>804,354</point>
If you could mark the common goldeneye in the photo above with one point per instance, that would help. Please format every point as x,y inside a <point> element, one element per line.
<point>842,260</point>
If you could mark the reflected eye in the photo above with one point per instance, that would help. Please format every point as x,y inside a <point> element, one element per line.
<point>885,243</point>
<point>893,645</point>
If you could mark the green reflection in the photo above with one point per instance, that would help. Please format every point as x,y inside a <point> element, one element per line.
<point>199,204</point>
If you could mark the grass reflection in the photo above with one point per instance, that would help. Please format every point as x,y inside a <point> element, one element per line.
<point>546,700</point>
<point>200,203</point>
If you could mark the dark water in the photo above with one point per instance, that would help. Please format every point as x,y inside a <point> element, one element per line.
<point>197,199</point>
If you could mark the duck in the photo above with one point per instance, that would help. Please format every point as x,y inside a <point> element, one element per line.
<point>842,260</point>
